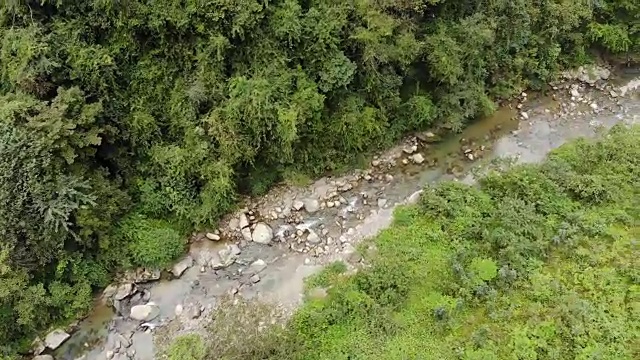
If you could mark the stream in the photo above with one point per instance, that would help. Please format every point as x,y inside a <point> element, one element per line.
<point>350,208</point>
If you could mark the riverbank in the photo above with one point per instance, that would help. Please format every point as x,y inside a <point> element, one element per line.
<point>334,215</point>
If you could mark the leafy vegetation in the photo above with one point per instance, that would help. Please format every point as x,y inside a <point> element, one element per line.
<point>536,262</point>
<point>163,112</point>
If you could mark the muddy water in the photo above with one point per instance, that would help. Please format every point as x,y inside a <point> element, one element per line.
<point>365,209</point>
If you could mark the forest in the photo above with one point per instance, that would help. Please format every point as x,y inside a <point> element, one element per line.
<point>535,262</point>
<point>126,124</point>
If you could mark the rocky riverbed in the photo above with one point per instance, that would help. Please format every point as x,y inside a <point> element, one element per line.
<point>263,252</point>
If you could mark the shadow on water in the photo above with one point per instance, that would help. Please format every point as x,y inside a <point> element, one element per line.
<point>91,331</point>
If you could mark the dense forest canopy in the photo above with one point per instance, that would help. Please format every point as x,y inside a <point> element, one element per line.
<point>125,122</point>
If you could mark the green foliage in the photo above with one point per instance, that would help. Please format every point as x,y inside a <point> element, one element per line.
<point>328,275</point>
<point>187,347</point>
<point>541,275</point>
<point>152,243</point>
<point>174,108</point>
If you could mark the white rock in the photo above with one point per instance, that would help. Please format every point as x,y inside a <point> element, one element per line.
<point>382,202</point>
<point>246,234</point>
<point>594,106</point>
<point>124,291</point>
<point>146,312</point>
<point>417,158</point>
<point>257,266</point>
<point>55,338</point>
<point>180,267</point>
<point>243,221</point>
<point>297,205</point>
<point>43,357</point>
<point>109,355</point>
<point>524,115</point>
<point>574,92</point>
<point>311,205</point>
<point>234,224</point>
<point>313,238</point>
<point>212,236</point>
<point>262,234</point>
<point>179,310</point>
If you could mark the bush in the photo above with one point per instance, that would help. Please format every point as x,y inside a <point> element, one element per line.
<point>151,243</point>
<point>187,347</point>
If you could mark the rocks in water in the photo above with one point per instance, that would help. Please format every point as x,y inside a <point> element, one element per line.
<point>54,339</point>
<point>262,234</point>
<point>417,158</point>
<point>146,312</point>
<point>124,291</point>
<point>43,357</point>
<point>180,267</point>
<point>179,309</point>
<point>297,205</point>
<point>109,292</point>
<point>225,257</point>
<point>257,266</point>
<point>142,275</point>
<point>313,238</point>
<point>311,205</point>
<point>213,237</point>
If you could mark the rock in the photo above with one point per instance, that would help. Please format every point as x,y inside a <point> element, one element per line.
<point>37,346</point>
<point>235,249</point>
<point>257,266</point>
<point>43,357</point>
<point>410,149</point>
<point>262,234</point>
<point>613,93</point>
<point>417,158</point>
<point>234,224</point>
<point>109,292</point>
<point>109,355</point>
<point>212,236</point>
<point>375,163</point>
<point>313,238</point>
<point>246,234</point>
<point>382,202</point>
<point>146,312</point>
<point>124,341</point>
<point>297,205</point>
<point>224,258</point>
<point>243,221</point>
<point>351,254</point>
<point>574,92</point>
<point>179,309</point>
<point>54,339</point>
<point>524,115</point>
<point>195,312</point>
<point>142,275</point>
<point>124,291</point>
<point>594,106</point>
<point>182,266</point>
<point>254,278</point>
<point>311,205</point>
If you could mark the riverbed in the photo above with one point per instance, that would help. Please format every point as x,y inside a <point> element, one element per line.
<point>351,208</point>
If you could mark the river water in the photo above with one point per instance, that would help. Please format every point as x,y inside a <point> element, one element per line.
<point>360,210</point>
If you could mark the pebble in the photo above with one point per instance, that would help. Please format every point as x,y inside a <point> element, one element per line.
<point>417,158</point>
<point>375,163</point>
<point>212,236</point>
<point>179,310</point>
<point>298,205</point>
<point>524,115</point>
<point>255,278</point>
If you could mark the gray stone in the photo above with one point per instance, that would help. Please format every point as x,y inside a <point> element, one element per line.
<point>37,346</point>
<point>235,249</point>
<point>124,341</point>
<point>109,292</point>
<point>297,205</point>
<point>146,312</point>
<point>124,291</point>
<point>254,278</point>
<point>243,221</point>
<point>179,309</point>
<point>257,266</point>
<point>224,258</point>
<point>180,267</point>
<point>54,339</point>
<point>313,238</point>
<point>382,202</point>
<point>417,158</point>
<point>109,355</point>
<point>262,234</point>
<point>212,236</point>
<point>195,312</point>
<point>246,234</point>
<point>311,205</point>
<point>43,357</point>
<point>234,224</point>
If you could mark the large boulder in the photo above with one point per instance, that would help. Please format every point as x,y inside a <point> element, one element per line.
<point>124,291</point>
<point>55,338</point>
<point>311,205</point>
<point>262,234</point>
<point>146,312</point>
<point>180,267</point>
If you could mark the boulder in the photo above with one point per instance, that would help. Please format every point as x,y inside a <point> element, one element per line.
<point>124,291</point>
<point>313,238</point>
<point>224,258</point>
<point>243,221</point>
<point>297,205</point>
<point>417,158</point>
<point>262,234</point>
<point>43,357</point>
<point>55,338</point>
<point>246,234</point>
<point>311,205</point>
<point>182,266</point>
<point>146,312</point>
<point>37,346</point>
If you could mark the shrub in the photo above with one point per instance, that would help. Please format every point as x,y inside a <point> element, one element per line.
<point>151,243</point>
<point>187,347</point>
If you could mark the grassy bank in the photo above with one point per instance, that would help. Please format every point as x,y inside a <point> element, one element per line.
<point>539,262</point>
<point>126,124</point>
